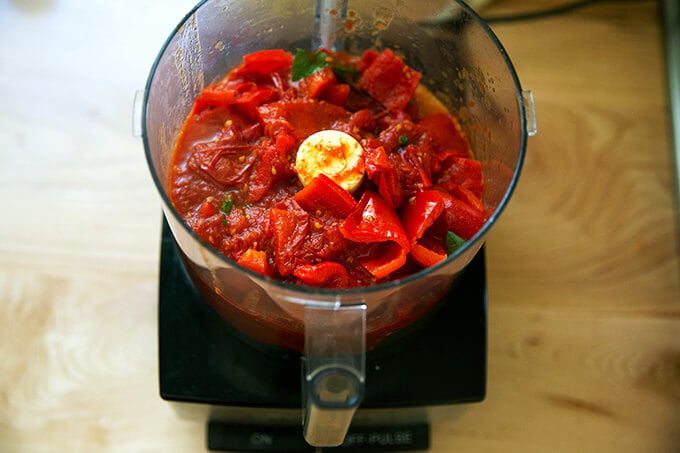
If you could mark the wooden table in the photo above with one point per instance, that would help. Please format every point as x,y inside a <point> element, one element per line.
<point>583,269</point>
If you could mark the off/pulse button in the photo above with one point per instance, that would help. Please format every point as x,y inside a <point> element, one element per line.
<point>288,438</point>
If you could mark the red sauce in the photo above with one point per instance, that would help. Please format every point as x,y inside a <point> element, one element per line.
<point>233,178</point>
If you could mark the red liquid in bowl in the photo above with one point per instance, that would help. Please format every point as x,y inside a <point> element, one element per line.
<point>266,322</point>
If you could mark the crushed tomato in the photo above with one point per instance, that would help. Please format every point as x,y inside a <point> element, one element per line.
<point>237,149</point>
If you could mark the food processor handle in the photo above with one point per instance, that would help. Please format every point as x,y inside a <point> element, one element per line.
<point>333,371</point>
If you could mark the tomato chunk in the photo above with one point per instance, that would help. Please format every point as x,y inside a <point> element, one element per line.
<point>300,118</point>
<point>245,96</point>
<point>381,169</point>
<point>462,171</point>
<point>314,85</point>
<point>256,261</point>
<point>389,81</point>
<point>273,165</point>
<point>336,94</point>
<point>290,229</point>
<point>446,134</point>
<point>462,218</point>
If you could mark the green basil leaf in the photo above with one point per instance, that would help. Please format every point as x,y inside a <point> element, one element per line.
<point>227,204</point>
<point>453,242</point>
<point>307,63</point>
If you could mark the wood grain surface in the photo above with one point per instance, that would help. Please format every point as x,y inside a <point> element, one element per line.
<point>583,268</point>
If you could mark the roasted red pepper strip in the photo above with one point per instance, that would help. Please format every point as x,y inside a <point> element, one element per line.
<point>256,261</point>
<point>426,257</point>
<point>267,61</point>
<point>373,220</point>
<point>389,256</point>
<point>327,273</point>
<point>325,194</point>
<point>263,67</point>
<point>417,216</point>
<point>236,93</point>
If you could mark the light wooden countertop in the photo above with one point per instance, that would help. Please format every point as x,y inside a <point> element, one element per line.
<point>583,268</point>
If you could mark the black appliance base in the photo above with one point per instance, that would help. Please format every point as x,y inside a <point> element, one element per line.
<point>202,359</point>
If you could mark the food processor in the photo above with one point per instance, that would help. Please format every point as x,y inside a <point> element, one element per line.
<point>275,366</point>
